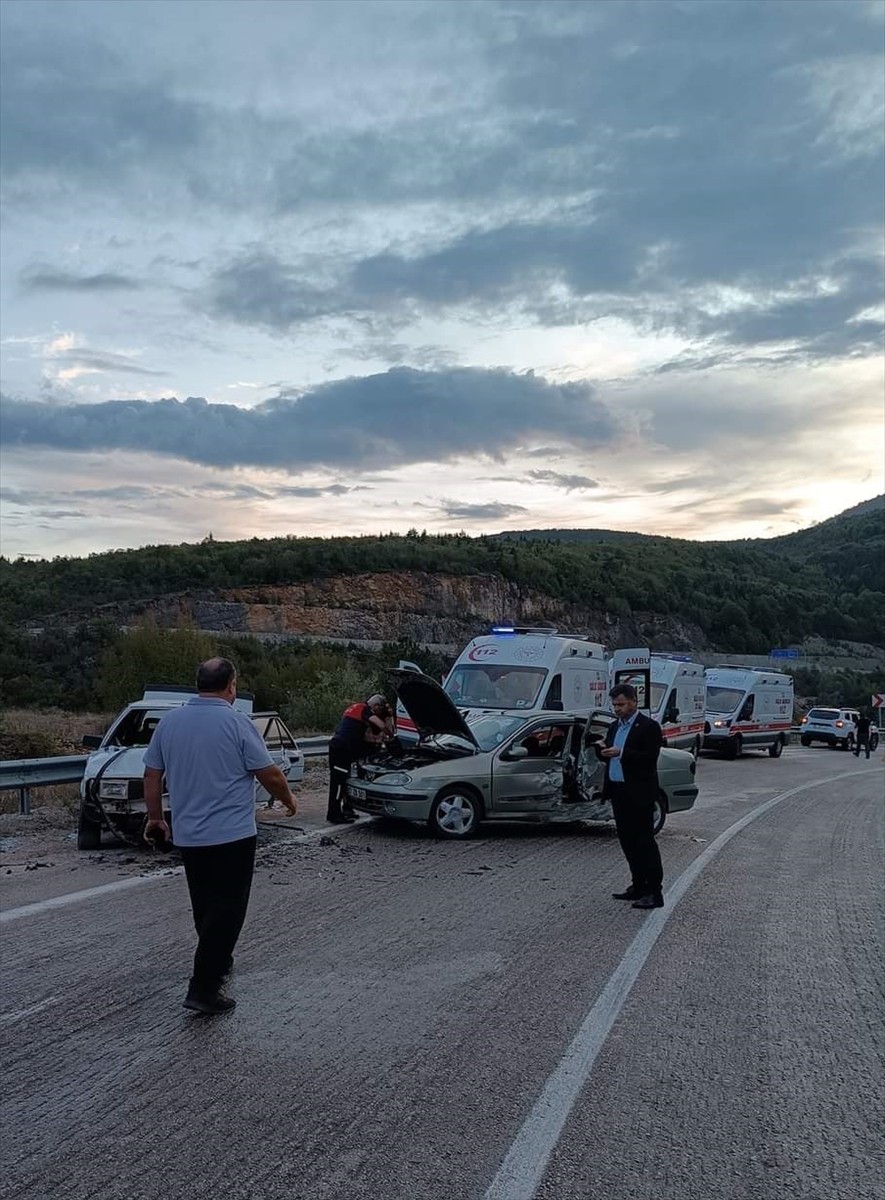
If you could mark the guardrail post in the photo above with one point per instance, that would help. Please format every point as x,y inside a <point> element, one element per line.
<point>24,801</point>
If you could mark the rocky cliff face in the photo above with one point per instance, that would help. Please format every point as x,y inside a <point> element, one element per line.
<point>437,610</point>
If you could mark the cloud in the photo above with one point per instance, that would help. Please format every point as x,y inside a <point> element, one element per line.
<point>493,511</point>
<point>380,421</point>
<point>568,483</point>
<point>47,279</point>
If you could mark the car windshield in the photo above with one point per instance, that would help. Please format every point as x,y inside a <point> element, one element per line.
<point>137,727</point>
<point>824,714</point>
<point>486,686</point>
<point>489,730</point>
<point>723,700</point>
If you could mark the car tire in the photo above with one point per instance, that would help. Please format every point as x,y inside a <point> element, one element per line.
<point>733,748</point>
<point>696,749</point>
<point>88,831</point>
<point>776,749</point>
<point>874,742</point>
<point>847,743</point>
<point>660,813</point>
<point>456,813</point>
<point>806,741</point>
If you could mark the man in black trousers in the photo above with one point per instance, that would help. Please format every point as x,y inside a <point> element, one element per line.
<point>210,755</point>
<point>631,750</point>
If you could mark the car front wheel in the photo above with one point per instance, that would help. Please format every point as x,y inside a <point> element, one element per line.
<point>456,813</point>
<point>806,741</point>
<point>660,813</point>
<point>88,830</point>
<point>847,743</point>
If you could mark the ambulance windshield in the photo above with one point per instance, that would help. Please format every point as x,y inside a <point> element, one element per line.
<point>658,692</point>
<point>723,700</point>
<point>478,685</point>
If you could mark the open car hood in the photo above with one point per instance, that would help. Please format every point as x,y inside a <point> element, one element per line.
<point>429,706</point>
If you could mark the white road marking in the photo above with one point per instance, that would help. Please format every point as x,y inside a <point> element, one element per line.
<point>122,885</point>
<point>524,1166</point>
<point>21,1013</point>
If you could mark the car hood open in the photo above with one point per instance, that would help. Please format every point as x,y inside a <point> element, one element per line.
<point>429,706</point>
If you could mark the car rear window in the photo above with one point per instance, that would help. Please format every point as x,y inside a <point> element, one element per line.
<point>823,714</point>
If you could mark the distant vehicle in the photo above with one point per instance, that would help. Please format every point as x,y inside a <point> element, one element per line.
<point>112,789</point>
<point>670,689</point>
<point>747,710</point>
<point>501,765</point>
<point>835,727</point>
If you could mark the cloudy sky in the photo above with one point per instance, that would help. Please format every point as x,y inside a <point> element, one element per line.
<point>331,267</point>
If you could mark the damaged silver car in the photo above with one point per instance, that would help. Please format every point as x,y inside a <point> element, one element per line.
<point>499,766</point>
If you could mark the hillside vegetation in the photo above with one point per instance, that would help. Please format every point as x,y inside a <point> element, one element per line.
<point>745,597</point>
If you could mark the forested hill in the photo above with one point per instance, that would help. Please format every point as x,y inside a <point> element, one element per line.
<point>745,596</point>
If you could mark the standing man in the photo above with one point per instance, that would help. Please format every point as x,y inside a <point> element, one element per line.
<point>361,726</point>
<point>631,750</point>
<point>211,755</point>
<point>862,728</point>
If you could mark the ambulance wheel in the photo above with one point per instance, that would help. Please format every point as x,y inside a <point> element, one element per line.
<point>659,813</point>
<point>776,749</point>
<point>696,749</point>
<point>733,747</point>
<point>806,741</point>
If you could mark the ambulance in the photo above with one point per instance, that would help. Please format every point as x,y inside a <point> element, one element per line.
<point>529,668</point>
<point>747,709</point>
<point>670,689</point>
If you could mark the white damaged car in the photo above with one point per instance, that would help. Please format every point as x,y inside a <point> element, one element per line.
<point>112,788</point>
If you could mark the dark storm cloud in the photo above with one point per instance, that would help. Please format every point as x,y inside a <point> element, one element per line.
<point>480,512</point>
<point>46,279</point>
<point>381,421</point>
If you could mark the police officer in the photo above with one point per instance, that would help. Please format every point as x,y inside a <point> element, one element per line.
<point>361,727</point>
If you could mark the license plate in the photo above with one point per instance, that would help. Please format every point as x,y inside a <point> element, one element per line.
<point>357,793</point>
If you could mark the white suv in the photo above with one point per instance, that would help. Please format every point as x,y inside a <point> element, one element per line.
<point>112,790</point>
<point>834,726</point>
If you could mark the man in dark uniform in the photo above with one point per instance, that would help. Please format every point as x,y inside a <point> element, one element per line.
<point>630,753</point>
<point>361,727</point>
<point>862,728</point>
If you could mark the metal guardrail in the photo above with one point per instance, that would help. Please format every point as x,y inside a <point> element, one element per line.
<point>22,774</point>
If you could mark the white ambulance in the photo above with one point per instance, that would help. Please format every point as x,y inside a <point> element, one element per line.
<point>747,710</point>
<point>527,668</point>
<point>669,689</point>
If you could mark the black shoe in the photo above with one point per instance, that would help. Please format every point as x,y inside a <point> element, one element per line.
<point>652,900</point>
<point>340,819</point>
<point>349,812</point>
<point>208,1003</point>
<point>632,893</point>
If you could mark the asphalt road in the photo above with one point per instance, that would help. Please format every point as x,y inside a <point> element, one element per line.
<point>420,1020</point>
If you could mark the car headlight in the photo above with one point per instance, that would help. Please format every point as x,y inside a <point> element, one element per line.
<point>720,724</point>
<point>395,779</point>
<point>114,789</point>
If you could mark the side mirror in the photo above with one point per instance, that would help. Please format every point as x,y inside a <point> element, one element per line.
<point>516,752</point>
<point>91,741</point>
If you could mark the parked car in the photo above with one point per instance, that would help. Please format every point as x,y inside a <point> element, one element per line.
<point>835,727</point>
<point>112,789</point>
<point>499,766</point>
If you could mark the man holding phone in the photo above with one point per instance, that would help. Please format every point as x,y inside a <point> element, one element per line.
<point>630,753</point>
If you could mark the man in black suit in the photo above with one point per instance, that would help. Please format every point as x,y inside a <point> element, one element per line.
<point>631,750</point>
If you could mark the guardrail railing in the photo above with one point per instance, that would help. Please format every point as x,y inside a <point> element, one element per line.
<point>22,774</point>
